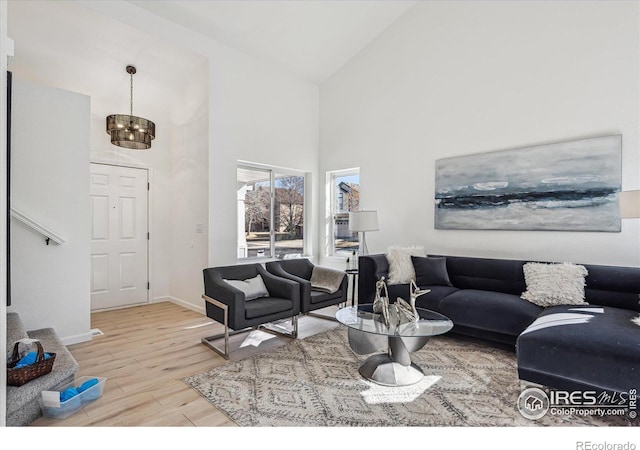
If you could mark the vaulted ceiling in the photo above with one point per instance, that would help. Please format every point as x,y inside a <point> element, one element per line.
<point>311,38</point>
<point>73,45</point>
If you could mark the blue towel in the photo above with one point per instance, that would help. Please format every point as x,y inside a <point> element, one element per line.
<point>71,392</point>
<point>90,394</point>
<point>67,394</point>
<point>87,384</point>
<point>29,359</point>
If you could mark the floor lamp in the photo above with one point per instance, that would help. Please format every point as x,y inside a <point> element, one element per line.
<point>363,221</point>
<point>629,202</point>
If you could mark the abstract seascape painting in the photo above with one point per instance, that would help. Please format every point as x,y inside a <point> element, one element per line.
<point>566,186</point>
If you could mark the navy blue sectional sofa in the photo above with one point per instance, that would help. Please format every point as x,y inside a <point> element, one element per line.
<point>594,347</point>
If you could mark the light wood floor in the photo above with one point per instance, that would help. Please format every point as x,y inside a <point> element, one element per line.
<point>144,354</point>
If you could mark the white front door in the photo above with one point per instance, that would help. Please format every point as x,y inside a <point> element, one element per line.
<point>119,236</point>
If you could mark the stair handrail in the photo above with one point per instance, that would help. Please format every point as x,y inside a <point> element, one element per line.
<point>32,223</point>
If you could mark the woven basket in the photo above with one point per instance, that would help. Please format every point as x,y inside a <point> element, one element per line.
<point>18,377</point>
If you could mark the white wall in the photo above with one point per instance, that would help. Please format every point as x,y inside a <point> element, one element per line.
<point>458,78</point>
<point>50,183</point>
<point>258,114</point>
<point>243,109</point>
<point>46,30</point>
<point>189,184</point>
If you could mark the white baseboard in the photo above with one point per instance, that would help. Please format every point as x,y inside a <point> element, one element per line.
<point>77,338</point>
<point>191,306</point>
<point>165,298</point>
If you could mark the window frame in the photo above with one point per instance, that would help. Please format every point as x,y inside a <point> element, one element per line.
<point>273,171</point>
<point>331,176</point>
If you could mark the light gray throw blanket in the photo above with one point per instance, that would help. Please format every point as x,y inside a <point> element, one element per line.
<point>326,280</point>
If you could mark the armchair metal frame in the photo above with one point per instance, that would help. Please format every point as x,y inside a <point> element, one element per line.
<point>208,341</point>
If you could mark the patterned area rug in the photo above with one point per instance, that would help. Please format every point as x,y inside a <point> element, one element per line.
<point>315,382</point>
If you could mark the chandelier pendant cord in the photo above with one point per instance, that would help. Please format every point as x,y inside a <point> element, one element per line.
<point>131,96</point>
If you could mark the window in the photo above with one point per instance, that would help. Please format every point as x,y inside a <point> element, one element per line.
<point>270,213</point>
<point>344,197</point>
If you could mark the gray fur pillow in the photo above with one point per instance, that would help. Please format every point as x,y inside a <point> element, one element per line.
<point>554,284</point>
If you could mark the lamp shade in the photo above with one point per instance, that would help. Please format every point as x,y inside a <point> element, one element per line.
<point>129,131</point>
<point>629,204</point>
<point>363,221</point>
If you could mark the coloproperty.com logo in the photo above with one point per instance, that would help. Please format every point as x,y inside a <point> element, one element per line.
<point>535,403</point>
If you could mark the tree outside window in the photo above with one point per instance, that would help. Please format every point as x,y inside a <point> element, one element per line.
<point>271,210</point>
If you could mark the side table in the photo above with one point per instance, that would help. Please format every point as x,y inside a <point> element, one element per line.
<point>353,276</point>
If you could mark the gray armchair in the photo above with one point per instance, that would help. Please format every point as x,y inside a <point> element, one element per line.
<point>300,271</point>
<point>227,304</point>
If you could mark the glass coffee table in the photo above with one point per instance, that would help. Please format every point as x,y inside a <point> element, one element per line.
<point>368,334</point>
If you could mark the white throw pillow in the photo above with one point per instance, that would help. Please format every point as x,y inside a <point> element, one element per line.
<point>401,269</point>
<point>252,287</point>
<point>554,284</point>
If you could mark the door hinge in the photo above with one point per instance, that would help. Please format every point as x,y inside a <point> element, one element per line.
<point>148,234</point>
<point>148,285</point>
<point>148,186</point>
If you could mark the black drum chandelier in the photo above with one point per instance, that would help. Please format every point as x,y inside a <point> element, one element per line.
<point>130,131</point>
